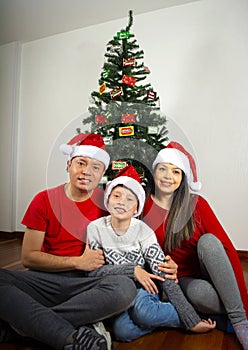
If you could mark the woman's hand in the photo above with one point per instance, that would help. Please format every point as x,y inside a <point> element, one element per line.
<point>169,267</point>
<point>145,279</point>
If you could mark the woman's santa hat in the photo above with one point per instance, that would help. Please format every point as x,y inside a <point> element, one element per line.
<point>129,178</point>
<point>87,145</point>
<point>176,154</point>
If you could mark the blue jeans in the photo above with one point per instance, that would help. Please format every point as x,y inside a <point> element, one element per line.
<point>147,314</point>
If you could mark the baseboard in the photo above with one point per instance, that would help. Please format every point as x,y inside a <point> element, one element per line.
<point>11,235</point>
<point>243,255</point>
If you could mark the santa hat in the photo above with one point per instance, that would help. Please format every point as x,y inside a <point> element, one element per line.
<point>129,178</point>
<point>176,154</point>
<point>87,145</point>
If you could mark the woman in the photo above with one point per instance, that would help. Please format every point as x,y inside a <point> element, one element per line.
<point>209,268</point>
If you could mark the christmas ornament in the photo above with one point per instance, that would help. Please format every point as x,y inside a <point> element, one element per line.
<point>126,130</point>
<point>151,95</point>
<point>105,74</point>
<point>103,180</point>
<point>100,119</point>
<point>127,79</point>
<point>116,92</point>
<point>128,118</point>
<point>102,88</point>
<point>118,164</point>
<point>152,130</point>
<point>146,69</point>
<point>128,62</point>
<point>123,35</point>
<point>108,140</point>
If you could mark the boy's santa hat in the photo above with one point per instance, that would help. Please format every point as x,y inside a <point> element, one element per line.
<point>87,145</point>
<point>176,154</point>
<point>129,178</point>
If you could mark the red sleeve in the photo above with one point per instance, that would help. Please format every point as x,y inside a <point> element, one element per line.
<point>211,224</point>
<point>36,214</point>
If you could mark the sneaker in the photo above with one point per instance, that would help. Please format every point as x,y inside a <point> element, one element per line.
<point>90,338</point>
<point>100,328</point>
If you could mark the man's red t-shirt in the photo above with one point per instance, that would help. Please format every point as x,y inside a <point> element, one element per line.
<point>63,221</point>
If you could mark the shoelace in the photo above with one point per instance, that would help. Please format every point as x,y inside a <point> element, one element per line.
<point>88,339</point>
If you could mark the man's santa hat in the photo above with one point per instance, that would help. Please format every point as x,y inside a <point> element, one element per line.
<point>129,178</point>
<point>87,145</point>
<point>176,154</point>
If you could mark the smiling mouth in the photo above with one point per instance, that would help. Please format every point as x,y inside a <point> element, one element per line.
<point>166,183</point>
<point>84,180</point>
<point>120,210</point>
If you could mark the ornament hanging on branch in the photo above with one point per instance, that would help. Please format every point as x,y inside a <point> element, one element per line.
<point>116,92</point>
<point>128,118</point>
<point>100,119</point>
<point>128,62</point>
<point>126,130</point>
<point>123,35</point>
<point>127,79</point>
<point>102,88</point>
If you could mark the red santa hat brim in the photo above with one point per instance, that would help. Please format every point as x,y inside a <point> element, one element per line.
<point>179,159</point>
<point>87,145</point>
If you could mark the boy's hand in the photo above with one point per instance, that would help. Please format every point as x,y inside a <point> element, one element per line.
<point>145,279</point>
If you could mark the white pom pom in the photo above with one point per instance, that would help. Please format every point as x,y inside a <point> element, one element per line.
<point>195,186</point>
<point>65,149</point>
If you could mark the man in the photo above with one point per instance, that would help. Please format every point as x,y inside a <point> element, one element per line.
<point>53,301</point>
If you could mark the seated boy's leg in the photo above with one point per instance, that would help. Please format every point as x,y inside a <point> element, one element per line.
<point>125,330</point>
<point>148,311</point>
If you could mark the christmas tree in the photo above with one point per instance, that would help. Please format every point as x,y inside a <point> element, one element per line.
<point>124,110</point>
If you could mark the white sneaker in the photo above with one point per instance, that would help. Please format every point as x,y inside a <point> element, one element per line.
<point>100,328</point>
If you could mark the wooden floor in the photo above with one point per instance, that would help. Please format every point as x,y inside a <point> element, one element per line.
<point>160,340</point>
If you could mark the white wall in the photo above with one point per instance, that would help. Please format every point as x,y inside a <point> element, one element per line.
<point>197,54</point>
<point>9,88</point>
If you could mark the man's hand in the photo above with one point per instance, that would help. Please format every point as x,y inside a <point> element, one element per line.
<point>145,278</point>
<point>90,259</point>
<point>169,267</point>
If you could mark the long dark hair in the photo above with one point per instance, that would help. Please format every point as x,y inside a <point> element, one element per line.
<point>180,225</point>
<point>180,222</point>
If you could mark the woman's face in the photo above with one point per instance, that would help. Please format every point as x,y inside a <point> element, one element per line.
<point>167,178</point>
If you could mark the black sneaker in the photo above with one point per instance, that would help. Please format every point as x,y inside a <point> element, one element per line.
<point>88,338</point>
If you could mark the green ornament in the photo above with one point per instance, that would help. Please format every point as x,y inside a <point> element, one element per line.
<point>105,74</point>
<point>123,35</point>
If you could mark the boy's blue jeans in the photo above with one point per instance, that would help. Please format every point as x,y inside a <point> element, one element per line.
<point>147,310</point>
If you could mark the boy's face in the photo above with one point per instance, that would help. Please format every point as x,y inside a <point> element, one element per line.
<point>122,203</point>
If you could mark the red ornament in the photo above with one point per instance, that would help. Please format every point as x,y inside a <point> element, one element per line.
<point>151,95</point>
<point>102,88</point>
<point>116,92</point>
<point>128,62</point>
<point>128,118</point>
<point>100,119</point>
<point>127,79</point>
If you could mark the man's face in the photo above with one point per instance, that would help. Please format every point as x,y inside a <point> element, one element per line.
<point>85,173</point>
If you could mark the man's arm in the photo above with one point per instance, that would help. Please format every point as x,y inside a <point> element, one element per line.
<point>34,258</point>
